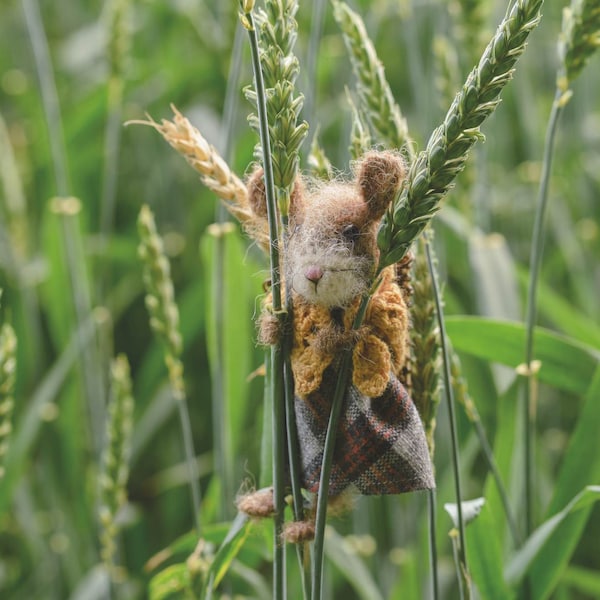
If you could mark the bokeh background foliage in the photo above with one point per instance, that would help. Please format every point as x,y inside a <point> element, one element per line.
<point>65,267</point>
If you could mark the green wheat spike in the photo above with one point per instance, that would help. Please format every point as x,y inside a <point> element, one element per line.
<point>360,136</point>
<point>434,169</point>
<point>160,297</point>
<point>278,30</point>
<point>318,161</point>
<point>115,467</point>
<point>373,89</point>
<point>8,368</point>
<point>579,39</point>
<point>425,367</point>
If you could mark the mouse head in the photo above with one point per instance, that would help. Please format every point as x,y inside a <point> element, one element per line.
<point>331,250</point>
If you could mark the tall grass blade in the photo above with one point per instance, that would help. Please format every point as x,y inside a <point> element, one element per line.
<point>277,360</point>
<point>575,473</point>
<point>463,574</point>
<point>67,207</point>
<point>521,562</point>
<point>51,104</point>
<point>118,33</point>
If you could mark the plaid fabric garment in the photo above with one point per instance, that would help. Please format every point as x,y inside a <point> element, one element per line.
<point>380,447</point>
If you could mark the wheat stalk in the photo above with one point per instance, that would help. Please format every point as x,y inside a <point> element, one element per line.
<point>215,173</point>
<point>433,171</point>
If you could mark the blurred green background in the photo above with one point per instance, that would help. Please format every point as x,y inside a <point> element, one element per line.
<point>183,53</point>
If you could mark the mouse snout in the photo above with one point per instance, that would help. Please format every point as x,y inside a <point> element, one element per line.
<point>314,273</point>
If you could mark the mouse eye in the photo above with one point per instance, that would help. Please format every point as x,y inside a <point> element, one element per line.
<point>351,233</point>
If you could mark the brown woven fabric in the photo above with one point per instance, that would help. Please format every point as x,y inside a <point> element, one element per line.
<point>380,447</point>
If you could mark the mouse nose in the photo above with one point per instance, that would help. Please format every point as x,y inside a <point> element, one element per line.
<point>314,274</point>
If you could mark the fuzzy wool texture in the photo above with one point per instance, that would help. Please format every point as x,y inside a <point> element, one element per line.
<point>330,259</point>
<point>334,234</point>
<point>298,532</point>
<point>257,504</point>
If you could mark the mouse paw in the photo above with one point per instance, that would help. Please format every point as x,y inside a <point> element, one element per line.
<point>270,330</point>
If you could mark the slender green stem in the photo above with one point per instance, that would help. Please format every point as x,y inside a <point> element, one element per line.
<point>343,379</point>
<point>462,549</point>
<point>330,438</point>
<point>190,455</point>
<point>455,555</point>
<point>295,466</point>
<point>535,260</point>
<point>92,380</point>
<point>472,414</point>
<point>220,402</point>
<point>316,31</point>
<point>45,73</point>
<point>493,466</point>
<point>277,361</point>
<point>293,449</point>
<point>491,461</point>
<point>272,214</point>
<point>111,154</point>
<point>219,398</point>
<point>433,545</point>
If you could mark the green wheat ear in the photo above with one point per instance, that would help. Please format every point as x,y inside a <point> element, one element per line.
<point>164,321</point>
<point>360,136</point>
<point>277,32</point>
<point>318,161</point>
<point>373,89</point>
<point>579,39</point>
<point>160,297</point>
<point>8,368</point>
<point>115,468</point>
<point>425,366</point>
<point>433,171</point>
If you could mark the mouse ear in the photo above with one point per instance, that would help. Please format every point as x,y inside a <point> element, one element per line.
<point>296,201</point>
<point>258,200</point>
<point>256,193</point>
<point>380,176</point>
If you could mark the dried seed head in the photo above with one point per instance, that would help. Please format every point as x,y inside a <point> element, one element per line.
<point>215,173</point>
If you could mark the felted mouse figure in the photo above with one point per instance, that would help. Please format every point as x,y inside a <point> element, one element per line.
<point>330,260</point>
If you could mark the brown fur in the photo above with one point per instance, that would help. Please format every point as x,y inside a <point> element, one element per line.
<point>340,220</point>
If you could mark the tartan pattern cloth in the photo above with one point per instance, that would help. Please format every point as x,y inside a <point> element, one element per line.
<point>380,446</point>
